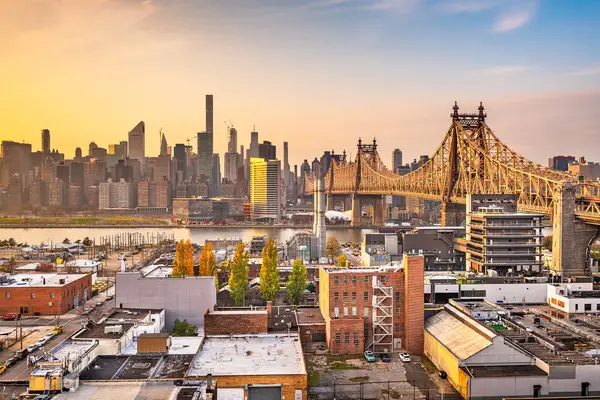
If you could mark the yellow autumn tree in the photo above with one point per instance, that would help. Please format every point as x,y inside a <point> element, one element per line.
<point>179,270</point>
<point>189,258</point>
<point>207,260</point>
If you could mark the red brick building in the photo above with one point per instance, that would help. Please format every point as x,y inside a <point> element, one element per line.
<point>380,309</point>
<point>236,322</point>
<point>44,294</point>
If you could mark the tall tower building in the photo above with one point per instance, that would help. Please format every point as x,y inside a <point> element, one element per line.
<point>286,166</point>
<point>78,154</point>
<point>232,145</point>
<point>396,160</point>
<point>209,115</point>
<point>215,180</point>
<point>164,150</point>
<point>205,142</point>
<point>265,189</point>
<point>45,141</point>
<point>137,142</point>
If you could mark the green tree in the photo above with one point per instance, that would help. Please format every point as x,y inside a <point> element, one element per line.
<point>296,282</point>
<point>547,243</point>
<point>238,276</point>
<point>86,241</point>
<point>66,241</point>
<point>179,269</point>
<point>332,248</point>
<point>342,260</point>
<point>12,242</point>
<point>183,328</point>
<point>207,260</point>
<point>189,258</point>
<point>269,271</point>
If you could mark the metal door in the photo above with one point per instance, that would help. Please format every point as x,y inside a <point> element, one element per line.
<point>264,393</point>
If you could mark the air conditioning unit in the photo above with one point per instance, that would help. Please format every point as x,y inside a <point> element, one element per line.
<point>71,383</point>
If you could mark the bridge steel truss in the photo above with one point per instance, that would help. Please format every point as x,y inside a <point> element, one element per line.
<point>470,159</point>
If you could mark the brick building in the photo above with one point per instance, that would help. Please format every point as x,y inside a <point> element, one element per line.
<point>370,308</point>
<point>236,322</point>
<point>44,294</point>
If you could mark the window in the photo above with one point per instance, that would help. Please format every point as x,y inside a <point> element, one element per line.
<point>336,313</point>
<point>366,279</point>
<point>355,337</point>
<point>472,293</point>
<point>345,296</point>
<point>338,338</point>
<point>396,327</point>
<point>366,296</point>
<point>51,295</point>
<point>353,296</point>
<point>587,307</point>
<point>336,280</point>
<point>7,295</point>
<point>354,311</point>
<point>383,280</point>
<point>576,306</point>
<point>354,280</point>
<point>366,312</point>
<point>345,311</point>
<point>32,295</point>
<point>346,338</point>
<point>397,296</point>
<point>598,307</point>
<point>398,310</point>
<point>345,280</point>
<point>336,296</point>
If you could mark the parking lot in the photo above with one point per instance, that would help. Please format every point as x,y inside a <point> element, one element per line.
<point>352,377</point>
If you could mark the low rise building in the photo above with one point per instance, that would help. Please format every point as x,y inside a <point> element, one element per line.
<point>571,298</point>
<point>43,294</point>
<point>436,244</point>
<point>267,366</point>
<point>234,322</point>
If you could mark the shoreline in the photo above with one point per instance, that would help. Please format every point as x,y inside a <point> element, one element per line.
<point>137,226</point>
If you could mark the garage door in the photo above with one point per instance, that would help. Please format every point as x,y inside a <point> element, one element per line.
<point>230,394</point>
<point>264,393</point>
<point>318,337</point>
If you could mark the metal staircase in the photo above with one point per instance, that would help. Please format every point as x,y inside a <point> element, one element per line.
<point>382,340</point>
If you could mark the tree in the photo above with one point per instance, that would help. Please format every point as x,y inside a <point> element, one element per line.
<point>179,269</point>
<point>183,328</point>
<point>86,242</point>
<point>269,271</point>
<point>332,248</point>
<point>189,258</point>
<point>547,243</point>
<point>342,260</point>
<point>238,276</point>
<point>12,242</point>
<point>296,282</point>
<point>66,241</point>
<point>207,260</point>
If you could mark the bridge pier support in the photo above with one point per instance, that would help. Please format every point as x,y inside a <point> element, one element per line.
<point>453,214</point>
<point>330,202</point>
<point>356,210</point>
<point>570,238</point>
<point>379,211</point>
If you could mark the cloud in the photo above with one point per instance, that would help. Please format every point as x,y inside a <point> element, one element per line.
<point>396,5</point>
<point>516,17</point>
<point>585,72</point>
<point>468,6</point>
<point>504,70</point>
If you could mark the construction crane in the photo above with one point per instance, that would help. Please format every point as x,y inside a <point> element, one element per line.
<point>188,141</point>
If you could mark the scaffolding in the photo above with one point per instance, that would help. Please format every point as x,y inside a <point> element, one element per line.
<point>382,340</point>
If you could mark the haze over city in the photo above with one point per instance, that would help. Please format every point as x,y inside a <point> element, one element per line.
<point>318,74</point>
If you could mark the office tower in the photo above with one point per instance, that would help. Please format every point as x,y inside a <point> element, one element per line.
<point>146,194</point>
<point>137,143</point>
<point>265,189</point>
<point>181,154</point>
<point>215,181</point>
<point>45,141</point>
<point>232,157</point>
<point>56,193</point>
<point>163,194</point>
<point>78,155</point>
<point>286,166</point>
<point>77,175</point>
<point>123,171</point>
<point>205,154</point>
<point>209,116</point>
<point>162,168</point>
<point>38,193</point>
<point>164,148</point>
<point>232,144</point>
<point>17,161</point>
<point>74,196</point>
<point>561,163</point>
<point>63,172</point>
<point>267,151</point>
<point>253,144</point>
<point>396,160</point>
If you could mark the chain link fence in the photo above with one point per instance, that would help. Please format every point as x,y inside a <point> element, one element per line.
<point>386,390</point>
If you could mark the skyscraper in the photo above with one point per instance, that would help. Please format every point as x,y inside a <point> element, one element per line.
<point>163,146</point>
<point>215,180</point>
<point>265,189</point>
<point>232,145</point>
<point>205,142</point>
<point>286,166</point>
<point>396,160</point>
<point>78,154</point>
<point>45,141</point>
<point>180,153</point>
<point>267,151</point>
<point>137,143</point>
<point>209,116</point>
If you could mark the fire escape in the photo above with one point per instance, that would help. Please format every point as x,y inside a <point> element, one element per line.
<point>382,340</point>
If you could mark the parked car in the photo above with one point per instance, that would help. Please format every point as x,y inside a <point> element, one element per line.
<point>99,303</point>
<point>11,361</point>
<point>369,356</point>
<point>32,347</point>
<point>385,358</point>
<point>2,369</point>
<point>41,341</point>
<point>12,316</point>
<point>110,297</point>
<point>49,336</point>
<point>20,354</point>
<point>405,357</point>
<point>57,330</point>
<point>443,375</point>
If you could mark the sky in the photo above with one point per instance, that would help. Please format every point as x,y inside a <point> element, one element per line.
<point>317,73</point>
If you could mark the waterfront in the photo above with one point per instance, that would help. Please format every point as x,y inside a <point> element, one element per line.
<point>197,235</point>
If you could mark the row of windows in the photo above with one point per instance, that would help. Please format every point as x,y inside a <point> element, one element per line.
<point>338,337</point>
<point>336,296</point>
<point>31,295</point>
<point>586,307</point>
<point>354,310</point>
<point>365,279</point>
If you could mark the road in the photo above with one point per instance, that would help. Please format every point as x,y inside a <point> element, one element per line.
<point>71,323</point>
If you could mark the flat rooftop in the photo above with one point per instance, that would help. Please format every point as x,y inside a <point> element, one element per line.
<point>130,391</point>
<point>234,311</point>
<point>282,318</point>
<point>70,349</point>
<point>309,316</point>
<point>136,367</point>
<point>41,280</point>
<point>180,345</point>
<point>267,354</point>
<point>96,331</point>
<point>159,272</point>
<point>503,371</point>
<point>383,268</point>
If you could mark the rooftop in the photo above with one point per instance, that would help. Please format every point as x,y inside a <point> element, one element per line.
<point>309,316</point>
<point>265,354</point>
<point>159,272</point>
<point>282,318</point>
<point>504,370</point>
<point>137,367</point>
<point>97,331</point>
<point>70,350</point>
<point>383,268</point>
<point>180,345</point>
<point>40,280</point>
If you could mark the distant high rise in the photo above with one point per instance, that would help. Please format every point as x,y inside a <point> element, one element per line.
<point>396,160</point>
<point>45,141</point>
<point>286,166</point>
<point>164,148</point>
<point>180,153</point>
<point>137,142</point>
<point>265,189</point>
<point>78,154</point>
<point>205,154</point>
<point>232,145</point>
<point>561,163</point>
<point>215,180</point>
<point>209,115</point>
<point>267,151</point>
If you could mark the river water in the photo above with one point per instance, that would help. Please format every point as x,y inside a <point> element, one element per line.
<point>35,236</point>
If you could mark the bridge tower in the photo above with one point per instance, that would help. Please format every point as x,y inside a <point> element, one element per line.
<point>319,204</point>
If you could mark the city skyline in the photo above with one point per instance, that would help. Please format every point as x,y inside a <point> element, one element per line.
<point>395,67</point>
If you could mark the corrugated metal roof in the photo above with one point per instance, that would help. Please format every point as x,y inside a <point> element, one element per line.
<point>458,337</point>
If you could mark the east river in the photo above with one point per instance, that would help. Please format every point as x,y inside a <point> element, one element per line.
<point>33,236</point>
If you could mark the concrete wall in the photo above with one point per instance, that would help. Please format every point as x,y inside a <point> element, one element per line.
<point>583,373</point>
<point>187,298</point>
<point>499,353</point>
<point>506,386</point>
<point>444,360</point>
<point>290,384</point>
<point>498,292</point>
